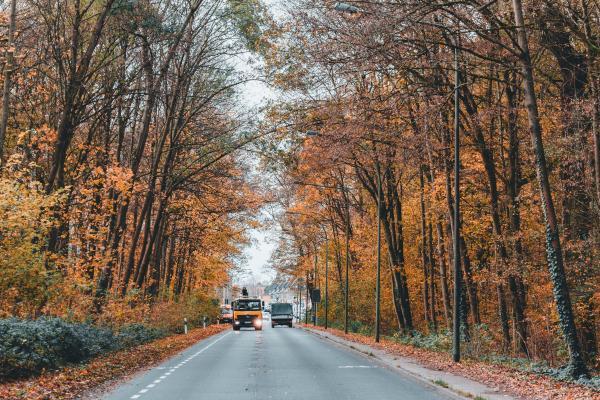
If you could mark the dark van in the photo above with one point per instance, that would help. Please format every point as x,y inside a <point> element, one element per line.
<point>281,314</point>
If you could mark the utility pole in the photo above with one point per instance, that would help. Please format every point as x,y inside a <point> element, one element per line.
<point>299,300</point>
<point>456,232</point>
<point>347,264</point>
<point>306,303</point>
<point>315,304</point>
<point>326,277</point>
<point>378,287</point>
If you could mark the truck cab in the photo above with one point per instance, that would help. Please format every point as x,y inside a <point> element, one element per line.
<point>247,312</point>
<point>281,314</point>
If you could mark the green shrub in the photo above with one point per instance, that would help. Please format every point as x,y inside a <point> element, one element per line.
<point>434,341</point>
<point>28,347</point>
<point>136,334</point>
<point>96,340</point>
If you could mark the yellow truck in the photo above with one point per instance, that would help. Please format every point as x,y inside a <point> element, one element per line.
<point>247,312</point>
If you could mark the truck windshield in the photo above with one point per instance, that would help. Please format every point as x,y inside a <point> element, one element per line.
<point>248,305</point>
<point>281,308</point>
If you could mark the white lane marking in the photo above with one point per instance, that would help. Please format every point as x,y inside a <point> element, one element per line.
<point>210,345</point>
<point>357,366</point>
<point>142,391</point>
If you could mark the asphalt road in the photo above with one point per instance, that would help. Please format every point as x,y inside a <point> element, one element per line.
<point>279,363</point>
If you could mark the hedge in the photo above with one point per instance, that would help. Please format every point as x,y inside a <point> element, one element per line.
<point>29,347</point>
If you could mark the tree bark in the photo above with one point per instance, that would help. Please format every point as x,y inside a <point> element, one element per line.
<point>553,245</point>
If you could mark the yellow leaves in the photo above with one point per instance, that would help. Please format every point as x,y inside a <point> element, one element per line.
<point>119,178</point>
<point>25,220</point>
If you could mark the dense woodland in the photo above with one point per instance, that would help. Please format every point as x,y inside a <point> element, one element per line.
<point>122,196</point>
<point>373,83</point>
<point>125,189</point>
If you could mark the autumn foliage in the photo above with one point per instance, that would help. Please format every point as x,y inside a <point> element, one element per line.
<point>370,90</point>
<point>123,196</point>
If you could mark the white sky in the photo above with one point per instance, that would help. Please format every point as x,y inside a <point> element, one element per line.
<point>255,94</point>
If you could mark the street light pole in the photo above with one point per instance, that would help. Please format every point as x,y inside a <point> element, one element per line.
<point>315,304</point>
<point>299,299</point>
<point>326,277</point>
<point>456,232</point>
<point>347,265</point>
<point>306,302</point>
<point>378,287</point>
<point>350,9</point>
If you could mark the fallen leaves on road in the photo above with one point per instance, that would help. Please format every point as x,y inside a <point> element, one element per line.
<point>518,383</point>
<point>71,382</point>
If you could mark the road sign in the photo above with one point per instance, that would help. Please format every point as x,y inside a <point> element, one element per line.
<point>315,295</point>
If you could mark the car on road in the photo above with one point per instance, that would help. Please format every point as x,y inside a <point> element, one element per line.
<point>226,315</point>
<point>247,312</point>
<point>281,314</point>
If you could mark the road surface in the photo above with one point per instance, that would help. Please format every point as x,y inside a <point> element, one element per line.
<point>276,363</point>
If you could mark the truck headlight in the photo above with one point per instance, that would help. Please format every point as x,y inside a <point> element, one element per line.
<point>237,322</point>
<point>258,322</point>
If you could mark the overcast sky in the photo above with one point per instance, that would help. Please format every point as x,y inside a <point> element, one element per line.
<point>255,94</point>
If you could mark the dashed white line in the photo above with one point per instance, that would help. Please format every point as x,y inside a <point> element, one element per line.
<point>150,386</point>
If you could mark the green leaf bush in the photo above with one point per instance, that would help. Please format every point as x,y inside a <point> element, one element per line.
<point>136,334</point>
<point>29,347</point>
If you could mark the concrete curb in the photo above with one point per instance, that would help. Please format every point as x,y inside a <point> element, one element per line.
<point>452,384</point>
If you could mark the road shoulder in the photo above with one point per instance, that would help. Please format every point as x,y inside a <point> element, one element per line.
<point>451,383</point>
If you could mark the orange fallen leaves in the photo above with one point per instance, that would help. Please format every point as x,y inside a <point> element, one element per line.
<point>521,384</point>
<point>71,382</point>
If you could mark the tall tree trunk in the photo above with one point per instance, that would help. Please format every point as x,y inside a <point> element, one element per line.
<point>514,189</point>
<point>424,257</point>
<point>432,286</point>
<point>443,275</point>
<point>8,71</point>
<point>553,246</point>
<point>469,283</point>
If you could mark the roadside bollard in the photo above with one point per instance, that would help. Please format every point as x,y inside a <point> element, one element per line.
<point>204,321</point>
<point>185,330</point>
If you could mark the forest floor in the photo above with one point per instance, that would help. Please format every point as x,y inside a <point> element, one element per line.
<point>515,382</point>
<point>73,381</point>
